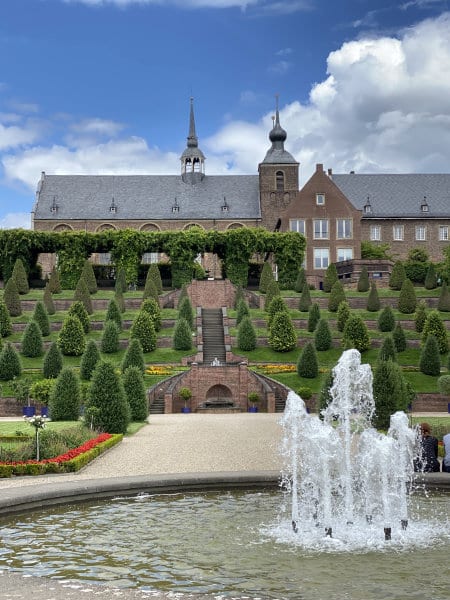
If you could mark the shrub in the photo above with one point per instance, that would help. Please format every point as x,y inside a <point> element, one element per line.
<point>53,362</point>
<point>242,311</point>
<point>151,306</point>
<point>363,280</point>
<point>156,276</point>
<point>373,300</point>
<point>435,327</point>
<point>420,316</point>
<point>185,311</point>
<point>305,299</point>
<point>10,365</point>
<point>64,403</point>
<point>89,276</point>
<point>20,277</point>
<point>79,310</point>
<point>313,316</point>
<point>331,276</point>
<point>12,299</point>
<point>48,301</point>
<point>265,278</point>
<point>343,313</point>
<point>150,289</point>
<point>89,360</point>
<point>407,300</point>
<point>110,338</point>
<point>337,295</point>
<point>113,314</point>
<point>305,392</point>
<point>107,396</point>
<point>430,278</point>
<point>183,294</point>
<point>356,334</point>
<point>134,356</point>
<point>387,389</point>
<point>41,390</point>
<point>40,316</point>
<point>386,319</point>
<point>182,336</point>
<point>444,299</point>
<point>301,280</point>
<point>322,336</point>
<point>307,365</point>
<point>430,362</point>
<point>54,284</point>
<point>133,384</point>
<point>118,297</point>
<point>32,345</point>
<point>273,289</point>
<point>399,338</point>
<point>282,337</point>
<point>325,396</point>
<point>5,320</point>
<point>276,306</point>
<point>397,276</point>
<point>238,296</point>
<point>71,339</point>
<point>246,336</point>
<point>121,281</point>
<point>144,330</point>
<point>387,350</point>
<point>82,294</point>
<point>444,385</point>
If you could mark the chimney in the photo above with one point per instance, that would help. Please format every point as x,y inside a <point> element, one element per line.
<point>330,172</point>
<point>319,168</point>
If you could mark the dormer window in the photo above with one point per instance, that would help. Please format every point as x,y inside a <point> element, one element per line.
<point>424,205</point>
<point>279,177</point>
<point>113,207</point>
<point>367,206</point>
<point>175,207</point>
<point>225,206</point>
<point>54,206</point>
<point>320,199</point>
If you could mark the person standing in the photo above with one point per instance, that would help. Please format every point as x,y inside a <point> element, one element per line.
<point>446,461</point>
<point>428,458</point>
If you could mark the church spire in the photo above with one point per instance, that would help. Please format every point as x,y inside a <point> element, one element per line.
<point>192,159</point>
<point>277,154</point>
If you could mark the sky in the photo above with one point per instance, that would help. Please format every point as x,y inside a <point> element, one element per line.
<point>103,87</point>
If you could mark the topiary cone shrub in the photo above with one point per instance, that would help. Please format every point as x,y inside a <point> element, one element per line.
<point>356,334</point>
<point>32,345</point>
<point>430,362</point>
<point>12,299</point>
<point>106,396</point>
<point>444,299</point>
<point>78,310</point>
<point>151,306</point>
<point>150,289</point>
<point>246,336</point>
<point>386,319</point>
<point>322,336</point>
<point>386,391</point>
<point>331,276</point>
<point>10,365</point>
<point>89,276</point>
<point>407,300</point>
<point>82,294</point>
<point>185,311</point>
<point>305,299</point>
<point>420,316</point>
<point>398,335</point>
<point>118,297</point>
<point>71,340</point>
<point>337,295</point>
<point>53,362</point>
<point>387,350</point>
<point>265,278</point>
<point>282,336</point>
<point>343,313</point>
<point>397,277</point>
<point>373,300</point>
<point>276,306</point>
<point>40,316</point>
<point>182,337</point>
<point>121,281</point>
<point>134,356</point>
<point>48,301</point>
<point>435,327</point>
<point>430,278</point>
<point>54,284</point>
<point>113,314</point>
<point>89,360</point>
<point>273,289</point>
<point>5,320</point>
<point>110,338</point>
<point>20,277</point>
<point>64,404</point>
<point>144,330</point>
<point>301,280</point>
<point>313,316</point>
<point>307,365</point>
<point>242,311</point>
<point>155,275</point>
<point>363,280</point>
<point>133,385</point>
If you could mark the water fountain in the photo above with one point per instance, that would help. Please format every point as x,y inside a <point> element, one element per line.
<point>346,480</point>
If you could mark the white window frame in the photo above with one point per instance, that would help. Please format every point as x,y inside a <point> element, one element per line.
<point>323,232</point>
<point>149,258</point>
<point>421,233</point>
<point>342,252</point>
<point>323,255</point>
<point>443,233</point>
<point>104,258</point>
<point>398,233</point>
<point>347,229</point>
<point>298,225</point>
<point>375,233</point>
<point>320,199</point>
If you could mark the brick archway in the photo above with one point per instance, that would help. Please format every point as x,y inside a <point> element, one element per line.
<point>219,393</point>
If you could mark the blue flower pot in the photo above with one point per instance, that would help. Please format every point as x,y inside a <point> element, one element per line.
<point>29,411</point>
<point>185,409</point>
<point>253,409</point>
<point>44,411</point>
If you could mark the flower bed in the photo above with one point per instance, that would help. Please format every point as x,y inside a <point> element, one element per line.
<point>71,461</point>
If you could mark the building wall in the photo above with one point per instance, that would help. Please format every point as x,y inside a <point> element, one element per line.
<point>274,202</point>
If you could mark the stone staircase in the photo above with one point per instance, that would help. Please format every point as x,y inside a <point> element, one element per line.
<point>213,336</point>
<point>157,406</point>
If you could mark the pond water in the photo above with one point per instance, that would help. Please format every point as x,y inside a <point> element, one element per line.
<point>233,544</point>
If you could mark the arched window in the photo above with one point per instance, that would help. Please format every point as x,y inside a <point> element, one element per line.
<point>62,227</point>
<point>150,227</point>
<point>105,227</point>
<point>279,176</point>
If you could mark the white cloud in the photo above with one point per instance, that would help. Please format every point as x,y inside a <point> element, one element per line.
<point>15,136</point>
<point>280,68</point>
<point>263,7</point>
<point>16,220</point>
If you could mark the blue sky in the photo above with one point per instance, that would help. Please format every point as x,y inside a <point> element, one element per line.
<point>103,86</point>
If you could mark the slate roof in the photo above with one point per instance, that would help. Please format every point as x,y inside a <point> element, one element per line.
<point>397,195</point>
<point>147,197</point>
